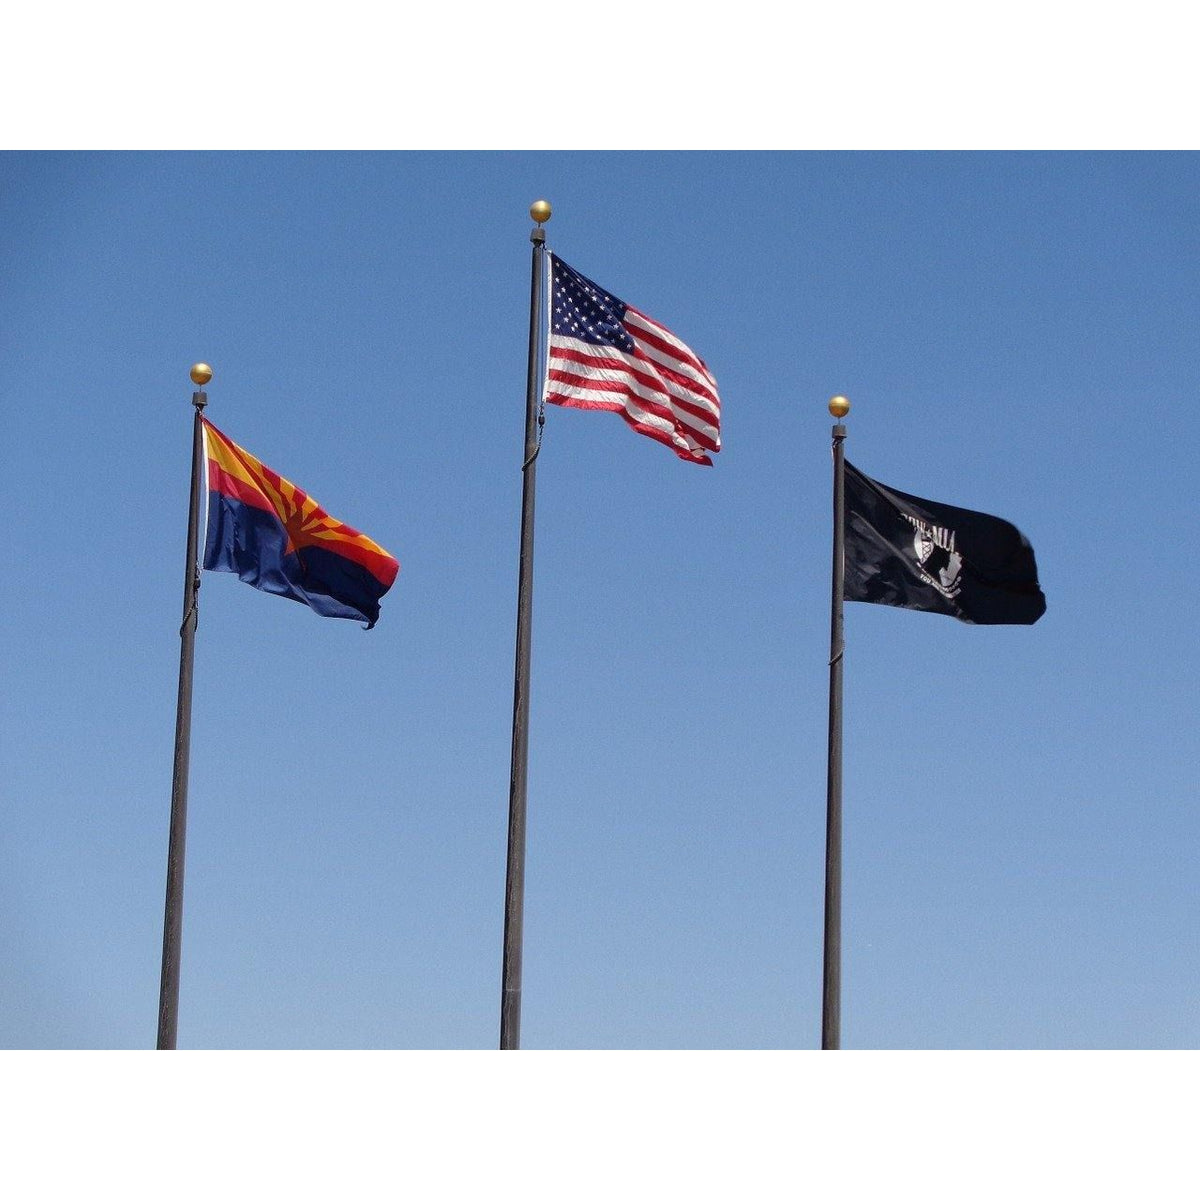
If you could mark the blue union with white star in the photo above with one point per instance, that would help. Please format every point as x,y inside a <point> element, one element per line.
<point>584,310</point>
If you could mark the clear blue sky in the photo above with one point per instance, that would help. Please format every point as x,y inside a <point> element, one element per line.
<point>1017,334</point>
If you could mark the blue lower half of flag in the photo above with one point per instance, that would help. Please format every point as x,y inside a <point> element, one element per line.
<point>255,546</point>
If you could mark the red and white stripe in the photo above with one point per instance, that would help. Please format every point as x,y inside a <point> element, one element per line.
<point>662,389</point>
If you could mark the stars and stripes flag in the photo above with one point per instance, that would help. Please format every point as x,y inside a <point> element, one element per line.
<point>604,353</point>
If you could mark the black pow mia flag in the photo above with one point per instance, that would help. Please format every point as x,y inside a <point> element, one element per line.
<point>913,553</point>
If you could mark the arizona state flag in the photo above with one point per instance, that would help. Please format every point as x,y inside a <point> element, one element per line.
<point>913,553</point>
<point>278,539</point>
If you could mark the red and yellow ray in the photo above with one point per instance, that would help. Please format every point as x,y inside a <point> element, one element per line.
<point>238,474</point>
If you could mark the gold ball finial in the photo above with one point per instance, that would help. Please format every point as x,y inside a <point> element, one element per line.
<point>201,373</point>
<point>839,406</point>
<point>539,210</point>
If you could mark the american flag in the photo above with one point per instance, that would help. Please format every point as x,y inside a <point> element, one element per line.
<point>606,354</point>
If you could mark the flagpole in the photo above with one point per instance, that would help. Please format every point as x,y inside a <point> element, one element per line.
<point>831,998</point>
<point>168,994</point>
<point>514,886</point>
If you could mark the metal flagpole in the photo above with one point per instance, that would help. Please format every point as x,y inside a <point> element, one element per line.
<point>168,994</point>
<point>514,887</point>
<point>831,998</point>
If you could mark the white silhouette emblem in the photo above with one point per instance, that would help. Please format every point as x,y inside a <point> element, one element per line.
<point>938,562</point>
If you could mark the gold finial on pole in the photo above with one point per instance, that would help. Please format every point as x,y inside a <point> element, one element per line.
<point>540,211</point>
<point>201,373</point>
<point>839,406</point>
